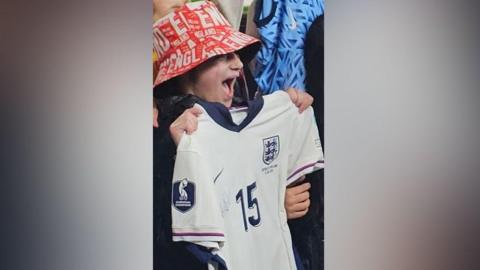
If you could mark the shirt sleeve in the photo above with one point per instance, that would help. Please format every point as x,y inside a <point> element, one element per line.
<point>305,151</point>
<point>196,215</point>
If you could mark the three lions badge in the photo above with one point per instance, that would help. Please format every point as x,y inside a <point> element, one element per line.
<point>271,149</point>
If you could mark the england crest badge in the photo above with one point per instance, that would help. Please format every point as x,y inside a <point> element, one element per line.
<point>271,149</point>
<point>183,195</point>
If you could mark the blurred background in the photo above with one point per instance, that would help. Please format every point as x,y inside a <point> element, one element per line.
<point>401,141</point>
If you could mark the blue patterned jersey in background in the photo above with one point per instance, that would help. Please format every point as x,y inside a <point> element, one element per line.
<point>282,26</point>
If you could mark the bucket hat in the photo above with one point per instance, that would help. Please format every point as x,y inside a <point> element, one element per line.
<point>191,35</point>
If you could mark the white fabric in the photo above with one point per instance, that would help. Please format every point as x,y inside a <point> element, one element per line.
<point>236,161</point>
<point>232,10</point>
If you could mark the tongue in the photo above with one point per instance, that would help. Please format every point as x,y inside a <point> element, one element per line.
<point>228,88</point>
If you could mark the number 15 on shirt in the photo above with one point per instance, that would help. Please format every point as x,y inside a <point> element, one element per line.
<point>252,209</point>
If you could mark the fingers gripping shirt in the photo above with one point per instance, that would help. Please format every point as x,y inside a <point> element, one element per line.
<point>229,181</point>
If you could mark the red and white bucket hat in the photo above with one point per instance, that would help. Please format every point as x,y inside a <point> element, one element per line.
<point>192,34</point>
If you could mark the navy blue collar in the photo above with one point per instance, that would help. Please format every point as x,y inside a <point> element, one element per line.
<point>220,114</point>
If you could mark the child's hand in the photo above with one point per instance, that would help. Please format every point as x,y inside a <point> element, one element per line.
<point>187,122</point>
<point>301,99</point>
<point>297,200</point>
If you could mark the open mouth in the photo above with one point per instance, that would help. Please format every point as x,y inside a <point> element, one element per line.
<point>228,84</point>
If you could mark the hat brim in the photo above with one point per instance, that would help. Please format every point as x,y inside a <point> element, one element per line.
<point>246,53</point>
<point>193,34</point>
<point>169,87</point>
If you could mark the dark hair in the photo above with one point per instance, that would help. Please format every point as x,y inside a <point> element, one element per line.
<point>175,86</point>
<point>172,107</point>
<point>168,89</point>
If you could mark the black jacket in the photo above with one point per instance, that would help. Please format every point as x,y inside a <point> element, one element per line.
<point>168,255</point>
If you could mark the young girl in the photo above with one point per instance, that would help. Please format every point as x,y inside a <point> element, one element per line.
<point>188,69</point>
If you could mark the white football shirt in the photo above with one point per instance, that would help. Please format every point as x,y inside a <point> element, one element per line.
<point>229,180</point>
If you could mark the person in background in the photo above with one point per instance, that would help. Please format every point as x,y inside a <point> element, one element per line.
<point>291,31</point>
<point>175,98</point>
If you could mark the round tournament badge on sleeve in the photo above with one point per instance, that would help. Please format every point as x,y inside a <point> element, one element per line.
<point>183,195</point>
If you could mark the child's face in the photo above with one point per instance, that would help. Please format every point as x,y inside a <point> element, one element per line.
<point>213,80</point>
